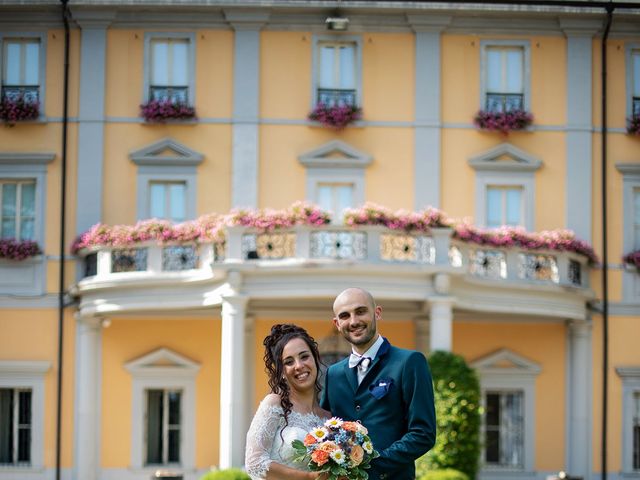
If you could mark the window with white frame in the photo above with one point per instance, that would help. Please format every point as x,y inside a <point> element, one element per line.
<point>633,60</point>
<point>636,218</point>
<point>17,209</point>
<point>22,414</point>
<point>21,65</point>
<point>163,426</point>
<point>505,76</point>
<point>335,197</point>
<point>636,431</point>
<point>337,70</point>
<point>15,426</point>
<point>630,376</point>
<point>631,226</point>
<point>504,429</point>
<point>170,67</point>
<point>504,205</point>
<point>168,200</point>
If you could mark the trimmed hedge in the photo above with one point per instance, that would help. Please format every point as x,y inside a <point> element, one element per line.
<point>446,474</point>
<point>227,474</point>
<point>457,396</point>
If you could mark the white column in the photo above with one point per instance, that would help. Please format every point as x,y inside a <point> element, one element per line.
<point>250,370</point>
<point>579,404</point>
<point>422,334</point>
<point>441,324</point>
<point>87,402</point>
<point>232,388</point>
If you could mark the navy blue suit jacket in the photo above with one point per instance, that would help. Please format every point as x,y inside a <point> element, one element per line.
<point>395,403</point>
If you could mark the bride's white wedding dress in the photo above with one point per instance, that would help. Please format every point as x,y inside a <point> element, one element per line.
<point>265,444</point>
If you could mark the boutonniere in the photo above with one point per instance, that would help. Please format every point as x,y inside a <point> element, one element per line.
<point>380,387</point>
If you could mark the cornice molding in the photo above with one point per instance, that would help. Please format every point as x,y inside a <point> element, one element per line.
<point>517,160</point>
<point>93,18</point>
<point>166,152</point>
<point>628,168</point>
<point>428,23</point>
<point>335,154</point>
<point>628,372</point>
<point>246,19</point>
<point>21,158</point>
<point>21,367</point>
<point>580,27</point>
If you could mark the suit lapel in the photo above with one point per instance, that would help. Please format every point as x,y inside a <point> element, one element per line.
<point>352,376</point>
<point>380,357</point>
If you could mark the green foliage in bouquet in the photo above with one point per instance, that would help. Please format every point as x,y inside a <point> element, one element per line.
<point>446,474</point>
<point>226,474</point>
<point>457,397</point>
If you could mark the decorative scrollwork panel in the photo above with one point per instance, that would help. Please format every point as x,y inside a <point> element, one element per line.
<point>407,248</point>
<point>129,260</point>
<point>268,246</point>
<point>538,267</point>
<point>488,263</point>
<point>179,257</point>
<point>339,245</point>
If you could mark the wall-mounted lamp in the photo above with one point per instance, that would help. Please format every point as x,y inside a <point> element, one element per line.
<point>337,22</point>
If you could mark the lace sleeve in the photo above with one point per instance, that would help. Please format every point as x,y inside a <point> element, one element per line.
<point>262,432</point>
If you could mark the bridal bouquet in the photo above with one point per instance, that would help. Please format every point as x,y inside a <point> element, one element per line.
<point>341,449</point>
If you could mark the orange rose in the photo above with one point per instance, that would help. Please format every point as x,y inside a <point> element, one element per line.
<point>309,440</point>
<point>327,447</point>
<point>357,454</point>
<point>320,457</point>
<point>350,426</point>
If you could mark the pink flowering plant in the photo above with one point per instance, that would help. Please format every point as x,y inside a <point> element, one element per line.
<point>160,111</point>
<point>335,116</point>
<point>373,214</point>
<point>12,249</point>
<point>341,449</point>
<point>503,122</point>
<point>18,109</point>
<point>633,125</point>
<point>300,213</point>
<point>632,259</point>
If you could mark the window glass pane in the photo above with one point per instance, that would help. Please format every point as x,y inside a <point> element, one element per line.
<point>174,408</point>
<point>344,198</point>
<point>636,431</point>
<point>27,227</point>
<point>494,207</point>
<point>157,200</point>
<point>9,197</point>
<point>159,65</point>
<point>347,67</point>
<point>494,70</point>
<point>154,426</point>
<point>636,73</point>
<point>28,200</point>
<point>180,60</point>
<point>177,202</point>
<point>324,199</point>
<point>492,447</point>
<point>12,63</point>
<point>24,445</point>
<point>327,55</point>
<point>8,228</point>
<point>514,206</point>
<point>174,446</point>
<point>6,425</point>
<point>24,413</point>
<point>32,50</point>
<point>514,71</point>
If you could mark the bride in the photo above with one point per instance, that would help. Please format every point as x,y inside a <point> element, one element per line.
<point>290,411</point>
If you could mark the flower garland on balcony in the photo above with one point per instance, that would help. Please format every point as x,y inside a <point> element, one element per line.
<point>335,116</point>
<point>159,111</point>
<point>632,259</point>
<point>207,228</point>
<point>633,125</point>
<point>211,228</point>
<point>12,249</point>
<point>18,109</point>
<point>503,122</point>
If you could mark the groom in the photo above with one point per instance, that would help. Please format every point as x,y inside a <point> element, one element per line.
<point>387,388</point>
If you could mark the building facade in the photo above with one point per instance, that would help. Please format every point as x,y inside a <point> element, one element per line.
<point>181,110</point>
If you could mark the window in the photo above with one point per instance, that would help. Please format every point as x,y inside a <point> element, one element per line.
<point>631,226</point>
<point>636,430</point>
<point>504,429</point>
<point>337,67</point>
<point>636,218</point>
<point>170,69</point>
<point>335,197</point>
<point>21,68</point>
<point>505,77</point>
<point>15,426</point>
<point>17,209</point>
<point>630,377</point>
<point>168,200</point>
<point>633,79</point>
<point>163,426</point>
<point>504,206</point>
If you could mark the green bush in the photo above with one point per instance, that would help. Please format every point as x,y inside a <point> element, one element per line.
<point>227,474</point>
<point>446,474</point>
<point>457,396</point>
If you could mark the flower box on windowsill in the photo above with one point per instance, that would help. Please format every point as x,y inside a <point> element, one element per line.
<point>336,116</point>
<point>164,111</point>
<point>631,261</point>
<point>633,125</point>
<point>14,250</point>
<point>504,122</point>
<point>18,109</point>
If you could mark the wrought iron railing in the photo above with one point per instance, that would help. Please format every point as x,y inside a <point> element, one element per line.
<point>504,102</point>
<point>172,94</point>
<point>30,93</point>
<point>336,97</point>
<point>635,106</point>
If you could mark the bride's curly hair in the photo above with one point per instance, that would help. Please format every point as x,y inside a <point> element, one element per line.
<point>274,344</point>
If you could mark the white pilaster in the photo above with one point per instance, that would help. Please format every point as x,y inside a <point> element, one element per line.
<point>250,370</point>
<point>87,402</point>
<point>579,393</point>
<point>441,324</point>
<point>232,389</point>
<point>422,334</point>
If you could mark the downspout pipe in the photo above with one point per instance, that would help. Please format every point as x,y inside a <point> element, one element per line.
<point>63,211</point>
<point>605,256</point>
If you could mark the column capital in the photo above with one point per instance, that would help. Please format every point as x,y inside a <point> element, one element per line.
<point>98,19</point>
<point>576,27</point>
<point>428,23</point>
<point>91,321</point>
<point>580,328</point>
<point>246,19</point>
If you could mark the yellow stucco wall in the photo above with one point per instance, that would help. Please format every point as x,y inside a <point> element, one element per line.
<point>544,344</point>
<point>128,339</point>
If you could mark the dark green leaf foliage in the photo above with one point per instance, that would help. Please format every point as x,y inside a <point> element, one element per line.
<point>457,396</point>
<point>227,474</point>
<point>446,474</point>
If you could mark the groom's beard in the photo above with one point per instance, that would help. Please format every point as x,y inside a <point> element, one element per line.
<point>369,333</point>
